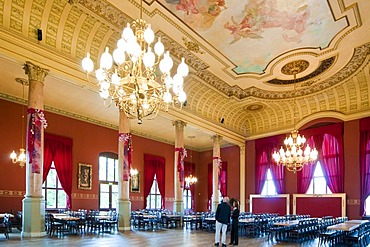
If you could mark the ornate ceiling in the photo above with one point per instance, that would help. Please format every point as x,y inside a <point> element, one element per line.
<point>236,51</point>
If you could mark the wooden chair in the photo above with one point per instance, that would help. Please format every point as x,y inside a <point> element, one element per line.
<point>4,227</point>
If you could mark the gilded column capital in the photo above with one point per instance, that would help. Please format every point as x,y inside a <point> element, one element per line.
<point>35,72</point>
<point>179,125</point>
<point>217,138</point>
<point>242,149</point>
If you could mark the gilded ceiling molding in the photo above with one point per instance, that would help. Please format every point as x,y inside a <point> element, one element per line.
<point>107,11</point>
<point>179,51</point>
<point>192,46</point>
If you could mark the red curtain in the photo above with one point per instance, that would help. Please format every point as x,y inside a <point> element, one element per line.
<point>154,165</point>
<point>264,150</point>
<point>364,163</point>
<point>278,175</point>
<point>59,150</point>
<point>331,164</point>
<point>333,167</point>
<point>210,185</point>
<point>223,179</point>
<point>305,176</point>
<point>189,169</point>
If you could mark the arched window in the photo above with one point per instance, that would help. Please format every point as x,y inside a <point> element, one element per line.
<point>318,183</point>
<point>53,192</point>
<point>108,180</point>
<point>154,199</point>
<point>187,199</point>
<point>269,188</point>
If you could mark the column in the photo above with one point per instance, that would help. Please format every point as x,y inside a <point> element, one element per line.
<point>124,204</point>
<point>216,156</point>
<point>178,205</point>
<point>242,178</point>
<point>33,205</point>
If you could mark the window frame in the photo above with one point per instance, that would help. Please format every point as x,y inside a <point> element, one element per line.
<point>312,182</point>
<point>157,196</point>
<point>267,182</point>
<point>45,188</point>
<point>110,183</point>
<point>187,198</point>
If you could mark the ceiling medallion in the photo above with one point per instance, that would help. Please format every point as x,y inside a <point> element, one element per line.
<point>254,107</point>
<point>295,67</point>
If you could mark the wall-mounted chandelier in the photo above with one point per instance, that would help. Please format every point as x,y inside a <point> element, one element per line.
<point>130,78</point>
<point>296,154</point>
<point>21,157</point>
<point>190,180</point>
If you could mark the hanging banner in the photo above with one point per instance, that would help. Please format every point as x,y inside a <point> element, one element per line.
<point>126,138</point>
<point>219,165</point>
<point>37,121</point>
<point>180,164</point>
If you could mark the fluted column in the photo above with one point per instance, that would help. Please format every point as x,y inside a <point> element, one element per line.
<point>178,205</point>
<point>216,157</point>
<point>33,205</point>
<point>242,178</point>
<point>124,204</point>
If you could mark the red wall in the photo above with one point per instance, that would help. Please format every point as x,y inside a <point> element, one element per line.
<point>89,141</point>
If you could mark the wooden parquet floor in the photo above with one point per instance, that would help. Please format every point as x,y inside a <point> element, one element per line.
<point>163,238</point>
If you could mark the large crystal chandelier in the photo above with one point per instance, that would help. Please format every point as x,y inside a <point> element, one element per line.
<point>21,157</point>
<point>296,154</point>
<point>130,77</point>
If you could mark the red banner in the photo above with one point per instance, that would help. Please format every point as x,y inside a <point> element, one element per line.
<point>37,121</point>
<point>126,138</point>
<point>180,164</point>
<point>219,165</point>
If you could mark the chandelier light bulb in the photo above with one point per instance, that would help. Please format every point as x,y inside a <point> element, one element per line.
<point>148,35</point>
<point>159,47</point>
<point>149,58</point>
<point>167,97</point>
<point>13,155</point>
<point>182,97</point>
<point>127,33</point>
<point>106,59</point>
<point>87,63</point>
<point>100,74</point>
<point>119,55</point>
<point>104,94</point>
<point>115,78</point>
<point>183,68</point>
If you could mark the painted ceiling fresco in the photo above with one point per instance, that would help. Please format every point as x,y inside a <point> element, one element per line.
<point>251,33</point>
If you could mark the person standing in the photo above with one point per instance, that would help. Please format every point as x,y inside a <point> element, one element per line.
<point>235,224</point>
<point>223,214</point>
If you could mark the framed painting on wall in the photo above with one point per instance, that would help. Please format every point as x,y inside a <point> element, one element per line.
<point>135,183</point>
<point>84,176</point>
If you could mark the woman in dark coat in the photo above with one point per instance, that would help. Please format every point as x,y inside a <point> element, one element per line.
<point>235,224</point>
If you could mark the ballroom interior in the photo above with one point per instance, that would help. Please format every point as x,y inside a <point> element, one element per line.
<point>258,69</point>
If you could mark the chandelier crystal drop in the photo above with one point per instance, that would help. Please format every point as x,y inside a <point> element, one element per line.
<point>137,76</point>
<point>297,154</point>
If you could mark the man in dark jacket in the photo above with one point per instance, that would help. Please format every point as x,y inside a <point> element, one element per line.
<point>223,214</point>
